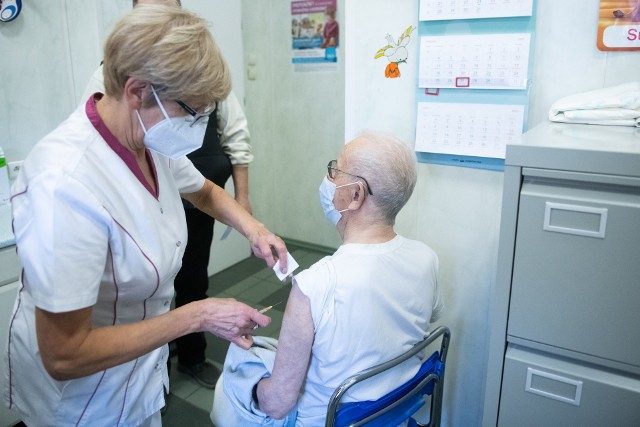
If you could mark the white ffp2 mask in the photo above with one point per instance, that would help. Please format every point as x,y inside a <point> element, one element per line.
<point>173,137</point>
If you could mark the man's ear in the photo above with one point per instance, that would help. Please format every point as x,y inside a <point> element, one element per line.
<point>135,92</point>
<point>358,194</point>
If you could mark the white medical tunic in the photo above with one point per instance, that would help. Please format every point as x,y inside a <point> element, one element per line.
<point>369,304</point>
<point>91,232</point>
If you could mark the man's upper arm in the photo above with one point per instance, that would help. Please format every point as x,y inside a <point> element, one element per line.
<point>294,346</point>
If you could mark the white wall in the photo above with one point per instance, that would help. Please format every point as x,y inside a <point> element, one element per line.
<point>297,126</point>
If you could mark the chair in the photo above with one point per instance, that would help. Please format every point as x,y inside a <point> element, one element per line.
<point>400,404</point>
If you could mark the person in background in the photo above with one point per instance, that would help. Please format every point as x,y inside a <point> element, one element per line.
<point>225,152</point>
<point>372,300</point>
<point>100,226</point>
<point>331,30</point>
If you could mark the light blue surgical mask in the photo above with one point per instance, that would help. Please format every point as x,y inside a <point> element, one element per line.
<point>327,193</point>
<point>173,137</point>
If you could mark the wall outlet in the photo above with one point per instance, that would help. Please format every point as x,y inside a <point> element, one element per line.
<point>14,168</point>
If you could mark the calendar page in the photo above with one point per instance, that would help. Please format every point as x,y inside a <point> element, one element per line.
<point>493,61</point>
<point>435,10</point>
<point>481,130</point>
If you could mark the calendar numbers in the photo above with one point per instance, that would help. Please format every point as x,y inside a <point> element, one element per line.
<point>481,130</point>
<point>436,10</point>
<point>493,61</point>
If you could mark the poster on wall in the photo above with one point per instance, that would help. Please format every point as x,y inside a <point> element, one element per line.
<point>619,25</point>
<point>315,35</point>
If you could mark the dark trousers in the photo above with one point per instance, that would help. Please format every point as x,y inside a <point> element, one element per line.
<point>192,281</point>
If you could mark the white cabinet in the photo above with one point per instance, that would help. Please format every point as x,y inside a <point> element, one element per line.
<point>565,342</point>
<point>9,268</point>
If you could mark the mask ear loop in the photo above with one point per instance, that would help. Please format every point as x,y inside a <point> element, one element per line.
<point>144,129</point>
<point>166,116</point>
<point>161,108</point>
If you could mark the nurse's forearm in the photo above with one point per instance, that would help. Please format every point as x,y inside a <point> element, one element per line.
<point>71,348</point>
<point>216,202</point>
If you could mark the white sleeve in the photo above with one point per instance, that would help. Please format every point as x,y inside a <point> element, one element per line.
<point>62,234</point>
<point>234,131</point>
<point>317,283</point>
<point>438,301</point>
<point>188,178</point>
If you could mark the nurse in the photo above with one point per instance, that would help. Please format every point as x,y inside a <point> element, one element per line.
<point>100,231</point>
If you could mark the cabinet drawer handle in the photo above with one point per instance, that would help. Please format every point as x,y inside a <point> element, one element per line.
<point>575,212</point>
<point>551,385</point>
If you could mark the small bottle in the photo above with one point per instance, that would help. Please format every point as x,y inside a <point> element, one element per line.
<point>5,190</point>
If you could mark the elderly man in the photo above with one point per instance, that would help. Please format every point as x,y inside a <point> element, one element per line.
<point>371,300</point>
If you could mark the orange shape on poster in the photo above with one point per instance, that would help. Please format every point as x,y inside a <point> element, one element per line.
<point>619,25</point>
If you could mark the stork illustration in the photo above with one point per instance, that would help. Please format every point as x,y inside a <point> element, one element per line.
<point>395,52</point>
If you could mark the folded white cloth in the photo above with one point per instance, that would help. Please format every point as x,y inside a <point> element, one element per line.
<point>233,403</point>
<point>613,106</point>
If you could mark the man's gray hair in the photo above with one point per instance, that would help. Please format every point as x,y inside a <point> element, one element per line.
<point>389,166</point>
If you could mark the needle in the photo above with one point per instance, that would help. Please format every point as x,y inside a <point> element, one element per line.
<point>264,310</point>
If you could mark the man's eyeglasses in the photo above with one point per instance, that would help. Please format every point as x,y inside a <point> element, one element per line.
<point>331,171</point>
<point>195,116</point>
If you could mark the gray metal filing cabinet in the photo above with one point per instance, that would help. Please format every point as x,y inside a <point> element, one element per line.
<point>565,310</point>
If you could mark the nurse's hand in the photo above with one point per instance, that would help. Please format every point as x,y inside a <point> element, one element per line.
<point>231,320</point>
<point>268,246</point>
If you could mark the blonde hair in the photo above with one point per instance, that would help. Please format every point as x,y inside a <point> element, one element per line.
<point>167,2</point>
<point>172,49</point>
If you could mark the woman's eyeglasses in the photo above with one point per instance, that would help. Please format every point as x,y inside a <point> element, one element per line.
<point>331,171</point>
<point>195,116</point>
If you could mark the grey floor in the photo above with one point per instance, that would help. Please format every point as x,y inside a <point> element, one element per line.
<point>251,282</point>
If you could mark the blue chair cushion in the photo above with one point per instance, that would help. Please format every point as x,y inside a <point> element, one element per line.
<point>351,412</point>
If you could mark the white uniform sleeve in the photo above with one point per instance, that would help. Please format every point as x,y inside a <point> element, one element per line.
<point>234,131</point>
<point>62,236</point>
<point>187,177</point>
<point>318,284</point>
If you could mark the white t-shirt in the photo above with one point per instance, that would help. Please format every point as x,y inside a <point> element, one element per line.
<point>369,303</point>
<point>90,231</point>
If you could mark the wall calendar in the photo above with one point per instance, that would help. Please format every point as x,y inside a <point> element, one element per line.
<point>435,10</point>
<point>480,130</point>
<point>490,61</point>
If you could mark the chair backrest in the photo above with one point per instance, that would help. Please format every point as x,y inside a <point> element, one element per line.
<point>401,403</point>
